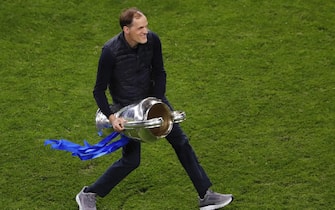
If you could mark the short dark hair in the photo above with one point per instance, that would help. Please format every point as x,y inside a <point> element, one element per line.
<point>127,16</point>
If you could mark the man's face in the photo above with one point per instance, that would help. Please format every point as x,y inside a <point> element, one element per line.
<point>137,32</point>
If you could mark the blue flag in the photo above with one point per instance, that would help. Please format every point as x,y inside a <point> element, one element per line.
<point>87,152</point>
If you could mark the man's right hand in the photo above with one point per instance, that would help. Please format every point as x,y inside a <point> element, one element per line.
<point>117,123</point>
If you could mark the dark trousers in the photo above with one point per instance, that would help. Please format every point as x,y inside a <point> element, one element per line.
<point>130,160</point>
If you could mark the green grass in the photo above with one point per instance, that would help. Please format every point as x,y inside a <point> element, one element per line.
<point>255,78</point>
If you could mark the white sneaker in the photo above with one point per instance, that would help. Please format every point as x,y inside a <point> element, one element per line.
<point>213,200</point>
<point>86,201</point>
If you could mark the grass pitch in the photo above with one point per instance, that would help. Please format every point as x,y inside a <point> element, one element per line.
<point>255,78</point>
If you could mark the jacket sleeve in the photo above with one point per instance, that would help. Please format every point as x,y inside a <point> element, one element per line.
<point>105,69</point>
<point>158,71</point>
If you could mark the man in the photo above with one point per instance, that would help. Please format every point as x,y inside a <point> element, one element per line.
<point>131,67</point>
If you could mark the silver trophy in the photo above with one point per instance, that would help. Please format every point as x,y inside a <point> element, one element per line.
<point>147,121</point>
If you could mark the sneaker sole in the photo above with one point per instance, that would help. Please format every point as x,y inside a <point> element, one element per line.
<point>221,205</point>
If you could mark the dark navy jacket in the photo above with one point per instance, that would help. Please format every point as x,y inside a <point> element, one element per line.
<point>130,74</point>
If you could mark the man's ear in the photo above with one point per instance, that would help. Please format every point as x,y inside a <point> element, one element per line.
<point>125,29</point>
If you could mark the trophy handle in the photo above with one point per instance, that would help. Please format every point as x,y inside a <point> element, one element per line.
<point>178,116</point>
<point>151,123</point>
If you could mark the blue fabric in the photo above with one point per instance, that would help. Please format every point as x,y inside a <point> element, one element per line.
<point>88,151</point>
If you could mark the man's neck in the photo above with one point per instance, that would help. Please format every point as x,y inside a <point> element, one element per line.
<point>131,43</point>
